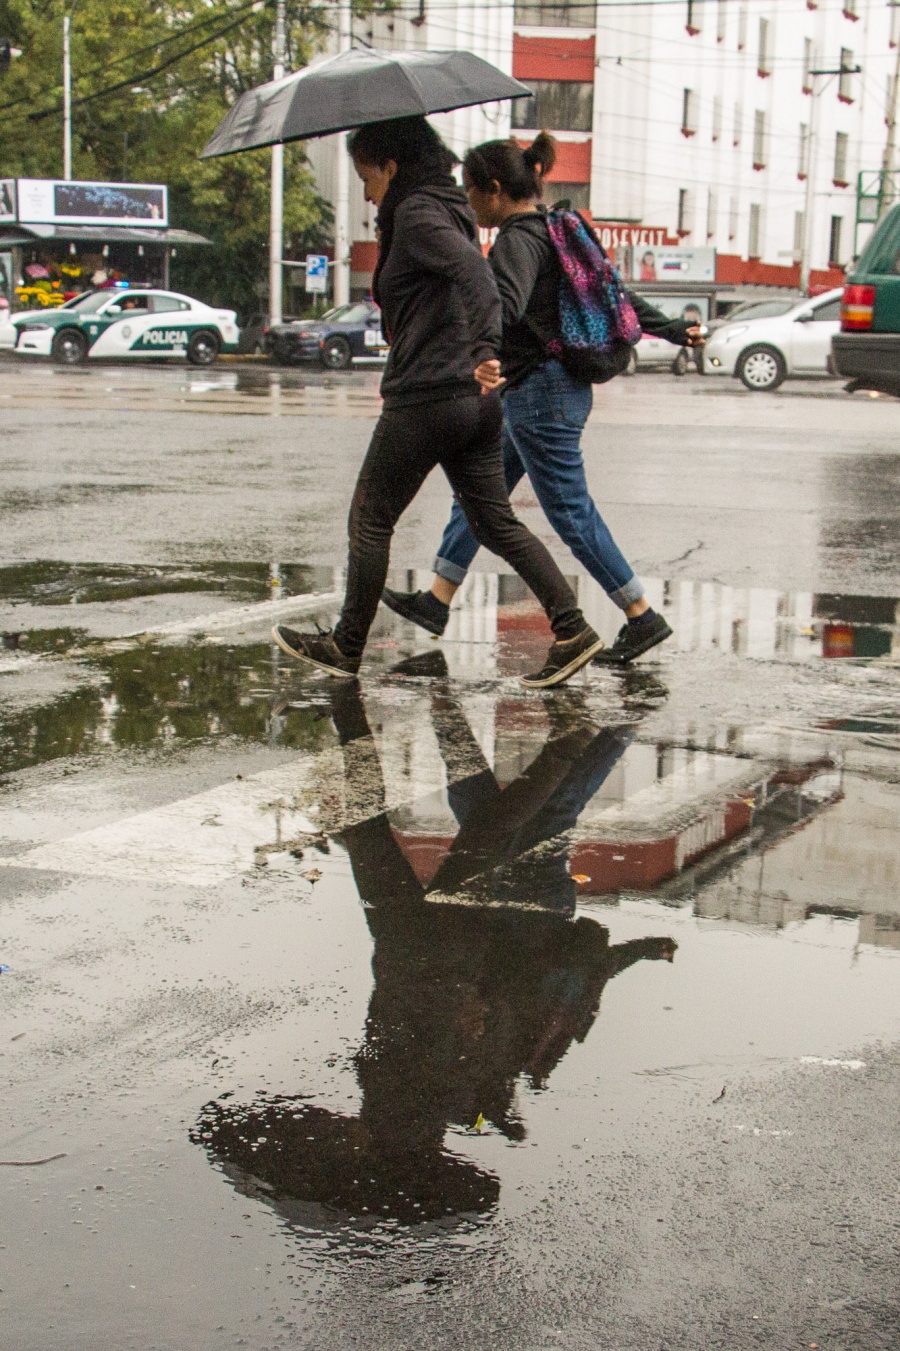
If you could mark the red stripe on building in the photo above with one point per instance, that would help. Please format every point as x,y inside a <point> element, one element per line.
<point>573,162</point>
<point>553,58</point>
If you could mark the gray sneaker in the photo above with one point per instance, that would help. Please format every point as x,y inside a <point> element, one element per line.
<point>564,659</point>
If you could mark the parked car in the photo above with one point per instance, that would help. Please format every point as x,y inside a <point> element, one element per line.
<point>867,349</point>
<point>764,352</point>
<point>253,332</point>
<point>127,323</point>
<point>767,307</point>
<point>342,334</point>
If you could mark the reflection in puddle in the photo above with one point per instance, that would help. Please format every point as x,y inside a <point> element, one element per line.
<point>45,582</point>
<point>468,1000</point>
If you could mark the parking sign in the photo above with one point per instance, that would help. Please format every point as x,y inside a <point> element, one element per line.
<point>316,272</point>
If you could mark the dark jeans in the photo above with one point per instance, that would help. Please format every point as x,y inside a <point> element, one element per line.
<point>463,436</point>
<point>543,421</point>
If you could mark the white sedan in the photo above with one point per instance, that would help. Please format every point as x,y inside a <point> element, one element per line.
<point>764,352</point>
<point>127,323</point>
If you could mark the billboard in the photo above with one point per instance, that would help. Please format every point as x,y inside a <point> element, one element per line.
<point>48,201</point>
<point>668,264</point>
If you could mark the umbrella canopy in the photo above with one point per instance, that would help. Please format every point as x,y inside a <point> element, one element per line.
<point>354,88</point>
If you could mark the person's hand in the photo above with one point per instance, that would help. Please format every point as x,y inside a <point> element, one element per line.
<point>695,336</point>
<point>487,373</point>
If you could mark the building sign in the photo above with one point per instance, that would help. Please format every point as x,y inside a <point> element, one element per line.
<point>7,199</point>
<point>615,235</point>
<point>667,264</point>
<point>317,273</point>
<point>47,201</point>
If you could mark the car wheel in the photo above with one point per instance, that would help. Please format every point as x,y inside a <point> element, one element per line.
<point>761,368</point>
<point>202,348</point>
<point>680,364</point>
<point>336,354</point>
<point>69,347</point>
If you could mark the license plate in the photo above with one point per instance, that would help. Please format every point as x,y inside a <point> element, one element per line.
<point>373,337</point>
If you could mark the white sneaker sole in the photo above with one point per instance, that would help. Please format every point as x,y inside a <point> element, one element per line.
<point>311,661</point>
<point>559,677</point>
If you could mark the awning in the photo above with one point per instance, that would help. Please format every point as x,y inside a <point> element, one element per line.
<point>114,234</point>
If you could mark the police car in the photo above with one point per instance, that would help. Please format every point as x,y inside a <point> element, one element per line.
<point>127,323</point>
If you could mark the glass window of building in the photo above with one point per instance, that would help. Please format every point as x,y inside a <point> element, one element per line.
<point>841,145</point>
<point>847,78</point>
<point>558,105</point>
<point>759,139</point>
<point>578,195</point>
<point>754,240</point>
<point>564,14</point>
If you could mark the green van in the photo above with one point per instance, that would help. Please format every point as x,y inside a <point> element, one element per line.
<point>867,349</point>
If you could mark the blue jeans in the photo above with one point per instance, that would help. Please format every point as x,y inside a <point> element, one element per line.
<point>543,419</point>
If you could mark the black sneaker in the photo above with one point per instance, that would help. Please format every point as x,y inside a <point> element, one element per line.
<point>418,606</point>
<point>634,640</point>
<point>319,649</point>
<point>564,659</point>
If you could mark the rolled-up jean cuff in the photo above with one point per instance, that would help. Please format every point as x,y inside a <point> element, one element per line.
<point>452,572</point>
<point>627,594</point>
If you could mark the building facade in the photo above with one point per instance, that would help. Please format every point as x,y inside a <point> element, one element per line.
<point>739,125</point>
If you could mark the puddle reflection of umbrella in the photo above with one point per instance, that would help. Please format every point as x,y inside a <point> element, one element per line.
<point>354,88</point>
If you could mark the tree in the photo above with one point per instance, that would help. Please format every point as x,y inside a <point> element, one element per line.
<point>151,80</point>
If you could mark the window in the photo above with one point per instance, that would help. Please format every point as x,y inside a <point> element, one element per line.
<point>841,144</point>
<point>759,139</point>
<point>764,60</point>
<point>733,216</point>
<point>809,61</point>
<point>846,80</point>
<point>688,113</point>
<point>353,314</point>
<point>895,25</point>
<point>738,122</point>
<point>561,105</point>
<point>722,21</point>
<point>130,303</point>
<point>755,234</point>
<point>799,234</point>
<point>830,313</point>
<point>742,28</point>
<point>564,14</point>
<point>578,195</point>
<point>834,241</point>
<point>712,215</point>
<point>694,21</point>
<point>167,304</point>
<point>717,119</point>
<point>685,211</point>
<point>803,157</point>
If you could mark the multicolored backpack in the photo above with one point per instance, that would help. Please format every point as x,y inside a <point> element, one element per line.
<point>598,325</point>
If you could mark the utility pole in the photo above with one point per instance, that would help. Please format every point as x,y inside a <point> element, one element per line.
<point>276,207</point>
<point>342,180</point>
<point>886,192</point>
<point>809,201</point>
<point>67,97</point>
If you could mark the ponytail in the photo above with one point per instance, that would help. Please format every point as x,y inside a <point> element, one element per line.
<point>519,173</point>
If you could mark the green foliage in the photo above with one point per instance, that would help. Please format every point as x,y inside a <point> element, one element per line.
<point>151,80</point>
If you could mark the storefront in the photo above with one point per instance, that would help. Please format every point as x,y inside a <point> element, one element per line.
<point>59,238</point>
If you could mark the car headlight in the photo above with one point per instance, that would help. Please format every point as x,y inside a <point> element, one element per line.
<point>731,333</point>
<point>33,328</point>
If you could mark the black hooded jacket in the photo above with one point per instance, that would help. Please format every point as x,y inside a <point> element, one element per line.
<point>526,268</point>
<point>439,302</point>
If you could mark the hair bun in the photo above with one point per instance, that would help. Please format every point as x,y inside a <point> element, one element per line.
<point>541,154</point>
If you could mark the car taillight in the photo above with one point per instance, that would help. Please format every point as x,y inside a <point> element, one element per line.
<point>857,308</point>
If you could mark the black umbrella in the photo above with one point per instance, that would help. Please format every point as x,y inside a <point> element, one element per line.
<point>354,88</point>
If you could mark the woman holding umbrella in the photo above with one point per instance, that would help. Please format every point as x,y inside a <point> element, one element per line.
<point>442,313</point>
<point>545,407</point>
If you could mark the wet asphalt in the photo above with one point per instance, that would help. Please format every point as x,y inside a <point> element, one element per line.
<point>434,1012</point>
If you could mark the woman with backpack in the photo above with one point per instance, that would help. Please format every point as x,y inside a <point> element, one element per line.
<point>441,312</point>
<point>545,405</point>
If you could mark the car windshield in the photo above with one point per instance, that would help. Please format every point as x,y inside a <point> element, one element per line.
<point>761,309</point>
<point>91,302</point>
<point>347,314</point>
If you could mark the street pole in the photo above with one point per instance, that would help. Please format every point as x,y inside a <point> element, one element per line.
<point>887,164</point>
<point>276,207</point>
<point>342,180</point>
<point>67,98</point>
<point>809,199</point>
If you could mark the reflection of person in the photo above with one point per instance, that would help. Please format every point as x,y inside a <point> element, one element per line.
<point>467,998</point>
<point>545,407</point>
<point>441,312</point>
<point>647,271</point>
<point>692,314</point>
